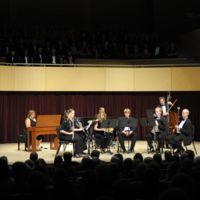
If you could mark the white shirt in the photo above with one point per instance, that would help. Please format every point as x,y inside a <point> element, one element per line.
<point>54,59</point>
<point>26,59</point>
<point>181,125</point>
<point>164,109</point>
<point>126,128</point>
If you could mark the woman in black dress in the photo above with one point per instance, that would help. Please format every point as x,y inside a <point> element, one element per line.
<point>31,122</point>
<point>103,138</point>
<point>69,132</point>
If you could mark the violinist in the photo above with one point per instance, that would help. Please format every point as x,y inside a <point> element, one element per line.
<point>182,132</point>
<point>160,131</point>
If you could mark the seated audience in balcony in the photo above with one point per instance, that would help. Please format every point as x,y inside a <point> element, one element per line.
<point>39,56</point>
<point>126,53</point>
<point>172,51</point>
<point>25,58</point>
<point>135,51</point>
<point>12,57</point>
<point>33,48</point>
<point>53,58</point>
<point>115,51</point>
<point>145,51</point>
<point>105,51</point>
<point>84,52</point>
<point>69,59</point>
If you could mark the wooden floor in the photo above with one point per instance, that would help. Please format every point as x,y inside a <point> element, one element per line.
<point>11,152</point>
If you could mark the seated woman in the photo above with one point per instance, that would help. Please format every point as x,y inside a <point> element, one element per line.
<point>101,134</point>
<point>69,132</point>
<point>31,122</point>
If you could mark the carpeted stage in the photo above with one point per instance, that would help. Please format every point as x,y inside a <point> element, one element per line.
<point>11,151</point>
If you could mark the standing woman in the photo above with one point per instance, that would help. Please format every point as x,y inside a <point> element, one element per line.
<point>31,122</point>
<point>69,132</point>
<point>103,138</point>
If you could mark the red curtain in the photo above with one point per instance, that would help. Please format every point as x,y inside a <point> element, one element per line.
<point>15,105</point>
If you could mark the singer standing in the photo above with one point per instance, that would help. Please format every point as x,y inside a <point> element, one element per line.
<point>102,137</point>
<point>68,132</point>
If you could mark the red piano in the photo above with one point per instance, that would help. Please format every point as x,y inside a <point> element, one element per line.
<point>45,125</point>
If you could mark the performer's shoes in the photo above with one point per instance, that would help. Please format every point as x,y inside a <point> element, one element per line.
<point>38,149</point>
<point>124,151</point>
<point>157,150</point>
<point>130,151</point>
<point>77,156</point>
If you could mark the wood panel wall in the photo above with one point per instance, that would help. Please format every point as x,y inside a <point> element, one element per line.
<point>15,78</point>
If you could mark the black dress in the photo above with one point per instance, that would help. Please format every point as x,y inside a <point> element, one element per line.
<point>102,138</point>
<point>78,139</point>
<point>32,124</point>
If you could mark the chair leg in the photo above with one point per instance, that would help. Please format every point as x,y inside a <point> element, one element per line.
<point>58,150</point>
<point>18,145</point>
<point>194,147</point>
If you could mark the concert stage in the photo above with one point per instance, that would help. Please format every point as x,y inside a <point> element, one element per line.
<point>10,150</point>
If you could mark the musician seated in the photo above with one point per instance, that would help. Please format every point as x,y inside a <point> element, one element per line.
<point>31,122</point>
<point>182,132</point>
<point>126,132</point>
<point>159,132</point>
<point>101,109</point>
<point>101,134</point>
<point>69,132</point>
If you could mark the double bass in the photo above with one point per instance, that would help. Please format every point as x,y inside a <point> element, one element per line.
<point>173,117</point>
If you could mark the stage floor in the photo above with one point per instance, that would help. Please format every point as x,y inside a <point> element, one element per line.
<point>10,150</point>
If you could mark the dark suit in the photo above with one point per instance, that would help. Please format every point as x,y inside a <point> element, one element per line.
<point>172,109</point>
<point>12,59</point>
<point>121,135</point>
<point>37,58</point>
<point>161,135</point>
<point>185,136</point>
<point>50,59</point>
<point>22,59</point>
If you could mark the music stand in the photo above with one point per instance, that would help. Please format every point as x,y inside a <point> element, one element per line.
<point>111,123</point>
<point>147,122</point>
<point>129,123</point>
<point>150,112</point>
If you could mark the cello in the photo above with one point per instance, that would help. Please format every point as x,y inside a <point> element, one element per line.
<point>173,117</point>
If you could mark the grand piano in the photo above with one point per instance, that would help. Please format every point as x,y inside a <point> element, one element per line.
<point>45,125</point>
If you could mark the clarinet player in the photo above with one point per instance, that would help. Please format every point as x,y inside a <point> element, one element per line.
<point>68,132</point>
<point>161,130</point>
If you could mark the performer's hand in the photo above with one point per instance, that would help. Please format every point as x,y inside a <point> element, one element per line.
<point>165,114</point>
<point>103,129</point>
<point>72,133</point>
<point>170,103</point>
<point>81,129</point>
<point>153,131</point>
<point>177,127</point>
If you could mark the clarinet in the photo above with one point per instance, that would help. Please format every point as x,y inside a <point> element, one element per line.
<point>73,129</point>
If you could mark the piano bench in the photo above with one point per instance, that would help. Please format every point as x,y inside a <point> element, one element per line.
<point>21,139</point>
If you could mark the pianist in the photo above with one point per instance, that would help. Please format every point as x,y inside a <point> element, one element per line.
<point>31,122</point>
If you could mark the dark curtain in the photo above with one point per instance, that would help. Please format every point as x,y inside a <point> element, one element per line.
<point>15,105</point>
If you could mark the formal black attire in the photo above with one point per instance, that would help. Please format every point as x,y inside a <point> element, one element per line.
<point>32,124</point>
<point>163,131</point>
<point>12,59</point>
<point>39,58</point>
<point>23,58</point>
<point>173,108</point>
<point>102,138</point>
<point>50,59</point>
<point>185,135</point>
<point>78,139</point>
<point>122,136</point>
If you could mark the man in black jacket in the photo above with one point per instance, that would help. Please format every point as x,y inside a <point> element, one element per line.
<point>183,132</point>
<point>159,131</point>
<point>126,132</point>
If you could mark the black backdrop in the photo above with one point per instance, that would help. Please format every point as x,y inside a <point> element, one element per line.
<point>15,105</point>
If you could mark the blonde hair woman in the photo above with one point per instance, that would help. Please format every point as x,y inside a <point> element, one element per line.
<point>102,137</point>
<point>31,122</point>
<point>69,132</point>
